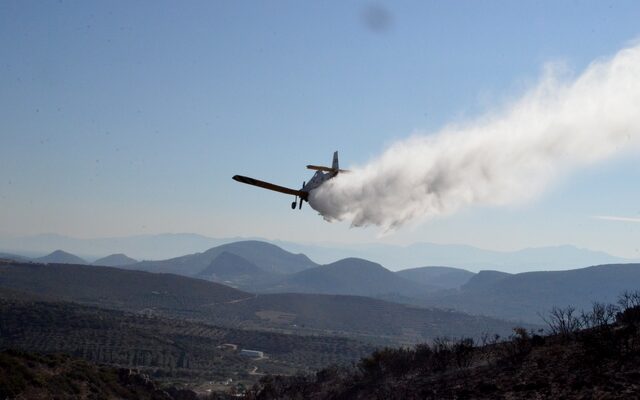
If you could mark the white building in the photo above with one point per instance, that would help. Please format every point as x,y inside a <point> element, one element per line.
<point>252,353</point>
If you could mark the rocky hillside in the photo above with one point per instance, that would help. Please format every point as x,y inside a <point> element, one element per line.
<point>592,355</point>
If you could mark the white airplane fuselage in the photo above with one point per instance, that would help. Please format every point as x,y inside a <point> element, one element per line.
<point>317,180</point>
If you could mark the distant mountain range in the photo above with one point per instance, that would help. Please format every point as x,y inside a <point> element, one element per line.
<point>166,246</point>
<point>63,257</point>
<point>265,268</point>
<point>141,247</point>
<point>267,257</point>
<point>260,267</point>
<point>462,256</point>
<point>529,296</point>
<point>521,297</point>
<point>178,296</point>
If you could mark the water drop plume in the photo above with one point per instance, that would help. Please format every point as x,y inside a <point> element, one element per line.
<point>501,158</point>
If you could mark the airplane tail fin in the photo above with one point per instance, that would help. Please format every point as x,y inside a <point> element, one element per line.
<point>335,167</point>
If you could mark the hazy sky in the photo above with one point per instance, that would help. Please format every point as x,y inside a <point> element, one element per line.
<point>120,118</point>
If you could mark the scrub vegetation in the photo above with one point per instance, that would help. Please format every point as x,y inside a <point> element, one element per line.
<point>589,354</point>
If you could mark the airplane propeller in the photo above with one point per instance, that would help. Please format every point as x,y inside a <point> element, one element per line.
<point>301,199</point>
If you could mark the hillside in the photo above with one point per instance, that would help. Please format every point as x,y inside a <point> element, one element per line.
<point>361,317</point>
<point>177,296</point>
<point>267,257</point>
<point>60,257</point>
<point>484,279</point>
<point>437,277</point>
<point>231,269</point>
<point>526,295</point>
<point>13,257</point>
<point>350,276</point>
<point>57,376</point>
<point>602,361</point>
<point>115,260</point>
<point>169,349</point>
<point>113,287</point>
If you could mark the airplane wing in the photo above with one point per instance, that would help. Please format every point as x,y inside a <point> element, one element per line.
<point>270,186</point>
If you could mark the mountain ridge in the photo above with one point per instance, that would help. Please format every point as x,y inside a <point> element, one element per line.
<point>265,256</point>
<point>394,257</point>
<point>115,260</point>
<point>437,277</point>
<point>60,257</point>
<point>236,271</point>
<point>350,276</point>
<point>527,295</point>
<point>173,295</point>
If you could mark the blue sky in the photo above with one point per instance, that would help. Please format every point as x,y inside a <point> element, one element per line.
<point>121,118</point>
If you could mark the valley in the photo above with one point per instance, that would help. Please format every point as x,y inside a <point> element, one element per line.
<point>186,321</point>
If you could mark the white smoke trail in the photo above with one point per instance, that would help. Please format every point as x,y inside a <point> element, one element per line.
<point>499,159</point>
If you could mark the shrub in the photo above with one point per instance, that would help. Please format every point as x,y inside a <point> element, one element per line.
<point>519,345</point>
<point>601,316</point>
<point>423,355</point>
<point>463,352</point>
<point>629,300</point>
<point>441,354</point>
<point>630,316</point>
<point>395,362</point>
<point>563,321</point>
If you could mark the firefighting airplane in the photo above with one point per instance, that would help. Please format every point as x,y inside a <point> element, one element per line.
<point>315,182</point>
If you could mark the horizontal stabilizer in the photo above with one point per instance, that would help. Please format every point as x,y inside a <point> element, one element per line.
<point>325,169</point>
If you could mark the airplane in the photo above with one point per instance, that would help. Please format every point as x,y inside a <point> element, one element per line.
<point>318,179</point>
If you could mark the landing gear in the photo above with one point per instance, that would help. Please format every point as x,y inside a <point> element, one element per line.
<point>295,203</point>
